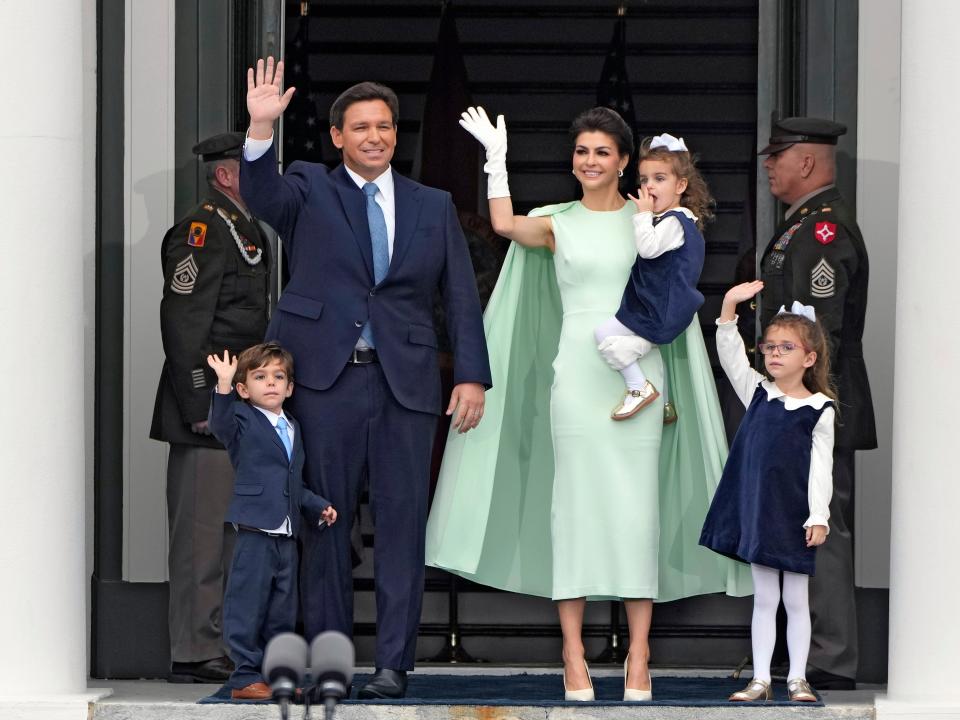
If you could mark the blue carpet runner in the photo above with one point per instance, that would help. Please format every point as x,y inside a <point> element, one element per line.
<point>547,691</point>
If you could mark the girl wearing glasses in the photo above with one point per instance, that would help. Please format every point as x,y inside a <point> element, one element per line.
<point>771,506</point>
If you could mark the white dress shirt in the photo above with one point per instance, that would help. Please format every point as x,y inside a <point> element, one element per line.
<point>254,149</point>
<point>273,417</point>
<point>744,379</point>
<point>654,240</point>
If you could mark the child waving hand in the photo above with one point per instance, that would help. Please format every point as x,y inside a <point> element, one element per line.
<point>771,506</point>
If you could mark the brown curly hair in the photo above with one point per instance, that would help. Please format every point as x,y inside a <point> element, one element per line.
<point>816,378</point>
<point>696,198</point>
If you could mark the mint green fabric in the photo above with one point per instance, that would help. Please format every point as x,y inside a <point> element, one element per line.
<point>549,496</point>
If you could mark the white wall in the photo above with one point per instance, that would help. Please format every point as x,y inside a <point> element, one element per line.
<point>89,240</point>
<point>148,212</point>
<point>878,151</point>
<point>43,173</point>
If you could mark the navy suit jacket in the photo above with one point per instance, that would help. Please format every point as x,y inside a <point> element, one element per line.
<point>321,216</point>
<point>267,486</point>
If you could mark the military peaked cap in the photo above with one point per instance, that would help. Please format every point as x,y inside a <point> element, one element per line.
<point>219,147</point>
<point>790,131</point>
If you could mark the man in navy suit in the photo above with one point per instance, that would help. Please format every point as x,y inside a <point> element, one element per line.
<point>266,451</point>
<point>368,251</point>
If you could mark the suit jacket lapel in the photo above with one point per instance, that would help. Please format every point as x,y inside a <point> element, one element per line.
<point>297,436</point>
<point>355,210</point>
<point>407,202</point>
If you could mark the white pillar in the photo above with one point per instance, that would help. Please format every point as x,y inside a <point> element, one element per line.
<point>43,654</point>
<point>925,544</point>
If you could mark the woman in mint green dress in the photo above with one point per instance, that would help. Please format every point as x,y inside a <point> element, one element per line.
<point>548,496</point>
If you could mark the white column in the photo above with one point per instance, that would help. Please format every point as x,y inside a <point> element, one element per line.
<point>925,544</point>
<point>43,653</point>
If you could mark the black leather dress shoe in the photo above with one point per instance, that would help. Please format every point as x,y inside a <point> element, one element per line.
<point>215,670</point>
<point>386,684</point>
<point>822,680</point>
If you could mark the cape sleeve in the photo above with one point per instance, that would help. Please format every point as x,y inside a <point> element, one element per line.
<point>693,451</point>
<point>476,526</point>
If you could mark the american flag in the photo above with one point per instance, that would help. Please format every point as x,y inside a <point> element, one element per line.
<point>303,125</point>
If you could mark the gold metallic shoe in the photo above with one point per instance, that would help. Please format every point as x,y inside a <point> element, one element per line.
<point>634,401</point>
<point>800,691</point>
<point>756,691</point>
<point>669,413</point>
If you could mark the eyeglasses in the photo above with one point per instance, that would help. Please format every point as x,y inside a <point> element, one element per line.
<point>784,348</point>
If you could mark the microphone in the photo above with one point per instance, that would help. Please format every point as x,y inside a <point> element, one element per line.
<point>284,665</point>
<point>331,661</point>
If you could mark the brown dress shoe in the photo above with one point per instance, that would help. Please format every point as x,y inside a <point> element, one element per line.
<point>253,691</point>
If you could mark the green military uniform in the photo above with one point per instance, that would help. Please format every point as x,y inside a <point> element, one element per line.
<point>818,257</point>
<point>215,297</point>
<point>216,271</point>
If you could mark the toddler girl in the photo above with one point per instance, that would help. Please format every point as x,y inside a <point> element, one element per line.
<point>661,297</point>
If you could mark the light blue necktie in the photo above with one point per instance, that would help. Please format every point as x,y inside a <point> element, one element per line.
<point>379,245</point>
<point>285,436</point>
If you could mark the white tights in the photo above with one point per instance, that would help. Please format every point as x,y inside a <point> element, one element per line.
<point>763,629</point>
<point>632,375</point>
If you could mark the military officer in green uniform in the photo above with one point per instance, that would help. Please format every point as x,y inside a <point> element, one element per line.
<point>216,269</point>
<point>817,256</point>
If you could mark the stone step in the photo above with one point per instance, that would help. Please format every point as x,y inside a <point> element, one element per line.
<point>158,700</point>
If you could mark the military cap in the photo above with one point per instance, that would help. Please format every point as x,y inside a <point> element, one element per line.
<point>219,147</point>
<point>789,131</point>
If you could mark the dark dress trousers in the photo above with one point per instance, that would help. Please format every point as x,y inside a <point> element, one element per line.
<point>213,299</point>
<point>374,422</point>
<point>818,256</point>
<point>261,595</point>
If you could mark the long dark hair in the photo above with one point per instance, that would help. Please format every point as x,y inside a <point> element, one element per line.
<point>816,378</point>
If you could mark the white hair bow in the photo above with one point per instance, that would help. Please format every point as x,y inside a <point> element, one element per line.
<point>669,142</point>
<point>799,308</point>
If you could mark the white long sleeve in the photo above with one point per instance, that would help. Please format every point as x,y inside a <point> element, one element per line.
<point>255,149</point>
<point>733,360</point>
<point>820,481</point>
<point>654,240</point>
<point>744,379</point>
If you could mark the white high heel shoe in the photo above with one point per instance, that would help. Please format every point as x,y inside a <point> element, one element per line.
<point>632,695</point>
<point>585,695</point>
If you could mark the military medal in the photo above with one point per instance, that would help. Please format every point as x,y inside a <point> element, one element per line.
<point>241,245</point>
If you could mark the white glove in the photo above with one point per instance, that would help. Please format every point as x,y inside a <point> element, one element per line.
<point>618,351</point>
<point>494,141</point>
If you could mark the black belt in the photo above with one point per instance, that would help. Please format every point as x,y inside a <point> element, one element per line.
<point>362,357</point>
<point>249,528</point>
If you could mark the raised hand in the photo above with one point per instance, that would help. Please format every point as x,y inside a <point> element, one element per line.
<point>265,103</point>
<point>494,141</point>
<point>492,137</point>
<point>225,369</point>
<point>736,295</point>
<point>744,291</point>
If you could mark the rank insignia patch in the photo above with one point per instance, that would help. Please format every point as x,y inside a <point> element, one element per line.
<point>825,232</point>
<point>197,234</point>
<point>199,381</point>
<point>185,276</point>
<point>823,280</point>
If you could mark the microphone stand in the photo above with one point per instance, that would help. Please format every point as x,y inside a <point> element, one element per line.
<point>283,690</point>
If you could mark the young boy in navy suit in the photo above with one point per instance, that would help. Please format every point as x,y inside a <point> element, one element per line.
<point>266,450</point>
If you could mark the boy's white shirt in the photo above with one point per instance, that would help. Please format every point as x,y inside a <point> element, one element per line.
<point>273,417</point>
<point>744,379</point>
<point>285,528</point>
<point>654,240</point>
